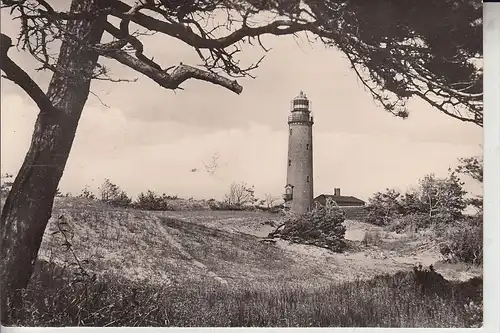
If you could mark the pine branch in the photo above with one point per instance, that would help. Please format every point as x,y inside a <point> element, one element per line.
<point>180,74</point>
<point>16,74</point>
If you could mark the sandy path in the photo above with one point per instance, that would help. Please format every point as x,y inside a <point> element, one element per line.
<point>371,260</point>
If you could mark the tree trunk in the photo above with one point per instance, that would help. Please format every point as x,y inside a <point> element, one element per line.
<point>28,206</point>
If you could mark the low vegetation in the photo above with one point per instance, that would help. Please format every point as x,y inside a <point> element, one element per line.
<point>418,298</point>
<point>106,261</point>
<point>321,227</point>
<point>435,200</point>
<point>463,242</point>
<point>240,197</point>
<point>371,239</point>
<point>268,288</point>
<point>437,205</point>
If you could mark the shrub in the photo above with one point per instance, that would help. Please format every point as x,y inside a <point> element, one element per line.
<point>321,227</point>
<point>217,205</point>
<point>443,196</point>
<point>383,207</point>
<point>121,200</point>
<point>464,241</point>
<point>410,223</point>
<point>419,221</point>
<point>113,195</point>
<point>87,194</point>
<point>152,201</point>
<point>372,238</point>
<point>443,199</point>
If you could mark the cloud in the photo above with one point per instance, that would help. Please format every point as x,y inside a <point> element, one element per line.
<point>140,155</point>
<point>152,138</point>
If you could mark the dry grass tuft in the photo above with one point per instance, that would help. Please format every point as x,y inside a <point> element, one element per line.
<point>385,301</point>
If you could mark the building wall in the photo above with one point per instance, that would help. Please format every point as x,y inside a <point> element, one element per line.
<point>300,165</point>
<point>352,212</point>
<point>321,199</point>
<point>355,213</point>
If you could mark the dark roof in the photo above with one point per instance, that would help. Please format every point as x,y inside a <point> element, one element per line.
<point>341,200</point>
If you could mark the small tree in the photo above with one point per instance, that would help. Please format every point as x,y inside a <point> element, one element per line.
<point>384,206</point>
<point>87,194</point>
<point>240,194</point>
<point>152,201</point>
<point>437,198</point>
<point>442,196</point>
<point>473,167</point>
<point>112,194</point>
<point>270,200</point>
<point>411,203</point>
<point>464,240</point>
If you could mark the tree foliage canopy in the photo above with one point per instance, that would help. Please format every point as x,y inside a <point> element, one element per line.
<point>443,198</point>
<point>399,49</point>
<point>471,166</point>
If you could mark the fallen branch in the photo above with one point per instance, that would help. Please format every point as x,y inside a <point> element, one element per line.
<point>276,231</point>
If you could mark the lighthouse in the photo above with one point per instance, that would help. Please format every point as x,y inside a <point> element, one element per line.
<point>299,177</point>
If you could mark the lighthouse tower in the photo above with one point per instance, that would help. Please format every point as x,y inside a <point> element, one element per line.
<point>299,178</point>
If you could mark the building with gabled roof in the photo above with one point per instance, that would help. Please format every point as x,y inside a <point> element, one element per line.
<point>340,200</point>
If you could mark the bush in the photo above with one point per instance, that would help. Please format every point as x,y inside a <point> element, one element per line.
<point>217,205</point>
<point>122,200</point>
<point>372,238</point>
<point>443,199</point>
<point>383,207</point>
<point>87,194</point>
<point>113,195</point>
<point>464,241</point>
<point>152,201</point>
<point>321,227</point>
<point>419,221</point>
<point>410,223</point>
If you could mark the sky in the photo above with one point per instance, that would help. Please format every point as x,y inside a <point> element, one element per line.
<point>145,137</point>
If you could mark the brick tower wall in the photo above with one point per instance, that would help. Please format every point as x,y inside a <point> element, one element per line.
<point>300,167</point>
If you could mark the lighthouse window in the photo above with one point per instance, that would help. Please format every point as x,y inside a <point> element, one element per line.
<point>307,146</point>
<point>289,162</point>
<point>308,179</point>
<point>290,131</point>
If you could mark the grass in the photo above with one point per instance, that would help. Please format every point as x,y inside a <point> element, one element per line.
<point>384,301</point>
<point>372,238</point>
<point>163,246</point>
<point>209,269</point>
